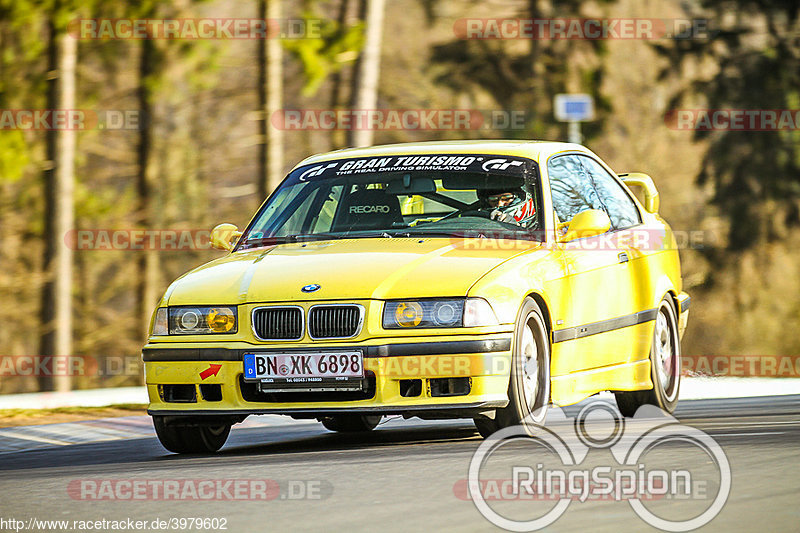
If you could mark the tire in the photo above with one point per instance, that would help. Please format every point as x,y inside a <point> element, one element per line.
<point>180,437</point>
<point>529,380</point>
<point>485,426</point>
<point>352,423</point>
<point>665,366</point>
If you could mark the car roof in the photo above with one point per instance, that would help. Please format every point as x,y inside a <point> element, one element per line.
<point>535,150</point>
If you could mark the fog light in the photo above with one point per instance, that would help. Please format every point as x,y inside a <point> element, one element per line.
<point>221,320</point>
<point>408,314</point>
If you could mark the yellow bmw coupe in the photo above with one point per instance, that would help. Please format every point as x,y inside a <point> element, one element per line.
<point>481,280</point>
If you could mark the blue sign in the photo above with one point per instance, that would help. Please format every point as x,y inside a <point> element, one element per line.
<point>574,107</point>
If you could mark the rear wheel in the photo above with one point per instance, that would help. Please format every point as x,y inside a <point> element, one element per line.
<point>351,423</point>
<point>529,383</point>
<point>184,437</point>
<point>665,367</point>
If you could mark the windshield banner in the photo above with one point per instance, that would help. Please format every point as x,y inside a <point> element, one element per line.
<point>494,164</point>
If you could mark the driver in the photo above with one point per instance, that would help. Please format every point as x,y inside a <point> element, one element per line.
<point>507,206</point>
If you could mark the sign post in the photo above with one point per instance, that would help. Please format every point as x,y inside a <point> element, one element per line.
<point>574,109</point>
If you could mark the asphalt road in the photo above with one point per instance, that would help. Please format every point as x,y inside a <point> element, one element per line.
<point>405,476</point>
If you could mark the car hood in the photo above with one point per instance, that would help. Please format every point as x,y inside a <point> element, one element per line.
<point>345,269</point>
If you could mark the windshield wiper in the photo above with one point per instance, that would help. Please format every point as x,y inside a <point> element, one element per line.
<point>266,241</point>
<point>306,237</point>
<point>475,234</point>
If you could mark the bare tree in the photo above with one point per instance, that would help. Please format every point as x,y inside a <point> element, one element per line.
<point>270,99</point>
<point>368,70</point>
<point>149,268</point>
<point>56,310</point>
<point>337,137</point>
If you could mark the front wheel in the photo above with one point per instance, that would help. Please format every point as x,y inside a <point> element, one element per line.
<point>182,437</point>
<point>665,367</point>
<point>529,383</point>
<point>351,423</point>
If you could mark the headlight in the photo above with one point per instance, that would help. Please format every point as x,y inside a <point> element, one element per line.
<point>200,320</point>
<point>451,313</point>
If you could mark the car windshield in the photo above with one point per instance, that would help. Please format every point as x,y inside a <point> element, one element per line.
<point>396,196</point>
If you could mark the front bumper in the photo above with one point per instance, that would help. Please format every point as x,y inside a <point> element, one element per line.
<point>684,302</point>
<point>210,377</point>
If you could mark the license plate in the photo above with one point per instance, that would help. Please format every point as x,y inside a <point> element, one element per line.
<point>298,367</point>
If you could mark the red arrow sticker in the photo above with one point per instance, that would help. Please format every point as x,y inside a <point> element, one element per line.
<point>212,370</point>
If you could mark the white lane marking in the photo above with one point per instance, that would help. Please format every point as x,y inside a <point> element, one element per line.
<point>35,438</point>
<point>760,423</point>
<point>76,433</point>
<point>746,434</point>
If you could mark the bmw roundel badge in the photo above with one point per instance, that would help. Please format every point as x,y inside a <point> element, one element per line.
<point>311,288</point>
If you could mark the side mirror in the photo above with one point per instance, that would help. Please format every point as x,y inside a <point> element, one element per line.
<point>224,236</point>
<point>587,224</point>
<point>637,179</point>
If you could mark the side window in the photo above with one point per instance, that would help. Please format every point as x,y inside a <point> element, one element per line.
<point>619,206</point>
<point>570,187</point>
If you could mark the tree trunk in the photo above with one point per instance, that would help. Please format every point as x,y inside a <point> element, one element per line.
<point>354,77</point>
<point>56,311</point>
<point>270,99</point>
<point>148,271</point>
<point>534,68</point>
<point>366,96</point>
<point>337,137</point>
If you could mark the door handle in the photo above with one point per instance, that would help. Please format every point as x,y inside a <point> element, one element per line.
<point>623,257</point>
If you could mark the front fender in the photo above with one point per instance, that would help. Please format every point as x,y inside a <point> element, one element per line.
<point>507,285</point>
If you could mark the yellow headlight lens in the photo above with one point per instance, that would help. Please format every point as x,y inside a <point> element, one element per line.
<point>221,320</point>
<point>408,314</point>
<point>438,313</point>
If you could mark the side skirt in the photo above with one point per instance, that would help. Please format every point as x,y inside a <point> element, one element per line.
<point>574,387</point>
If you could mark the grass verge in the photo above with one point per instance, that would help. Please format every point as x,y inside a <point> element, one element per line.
<point>30,417</point>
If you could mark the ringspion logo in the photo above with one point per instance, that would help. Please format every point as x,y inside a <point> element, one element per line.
<point>637,475</point>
